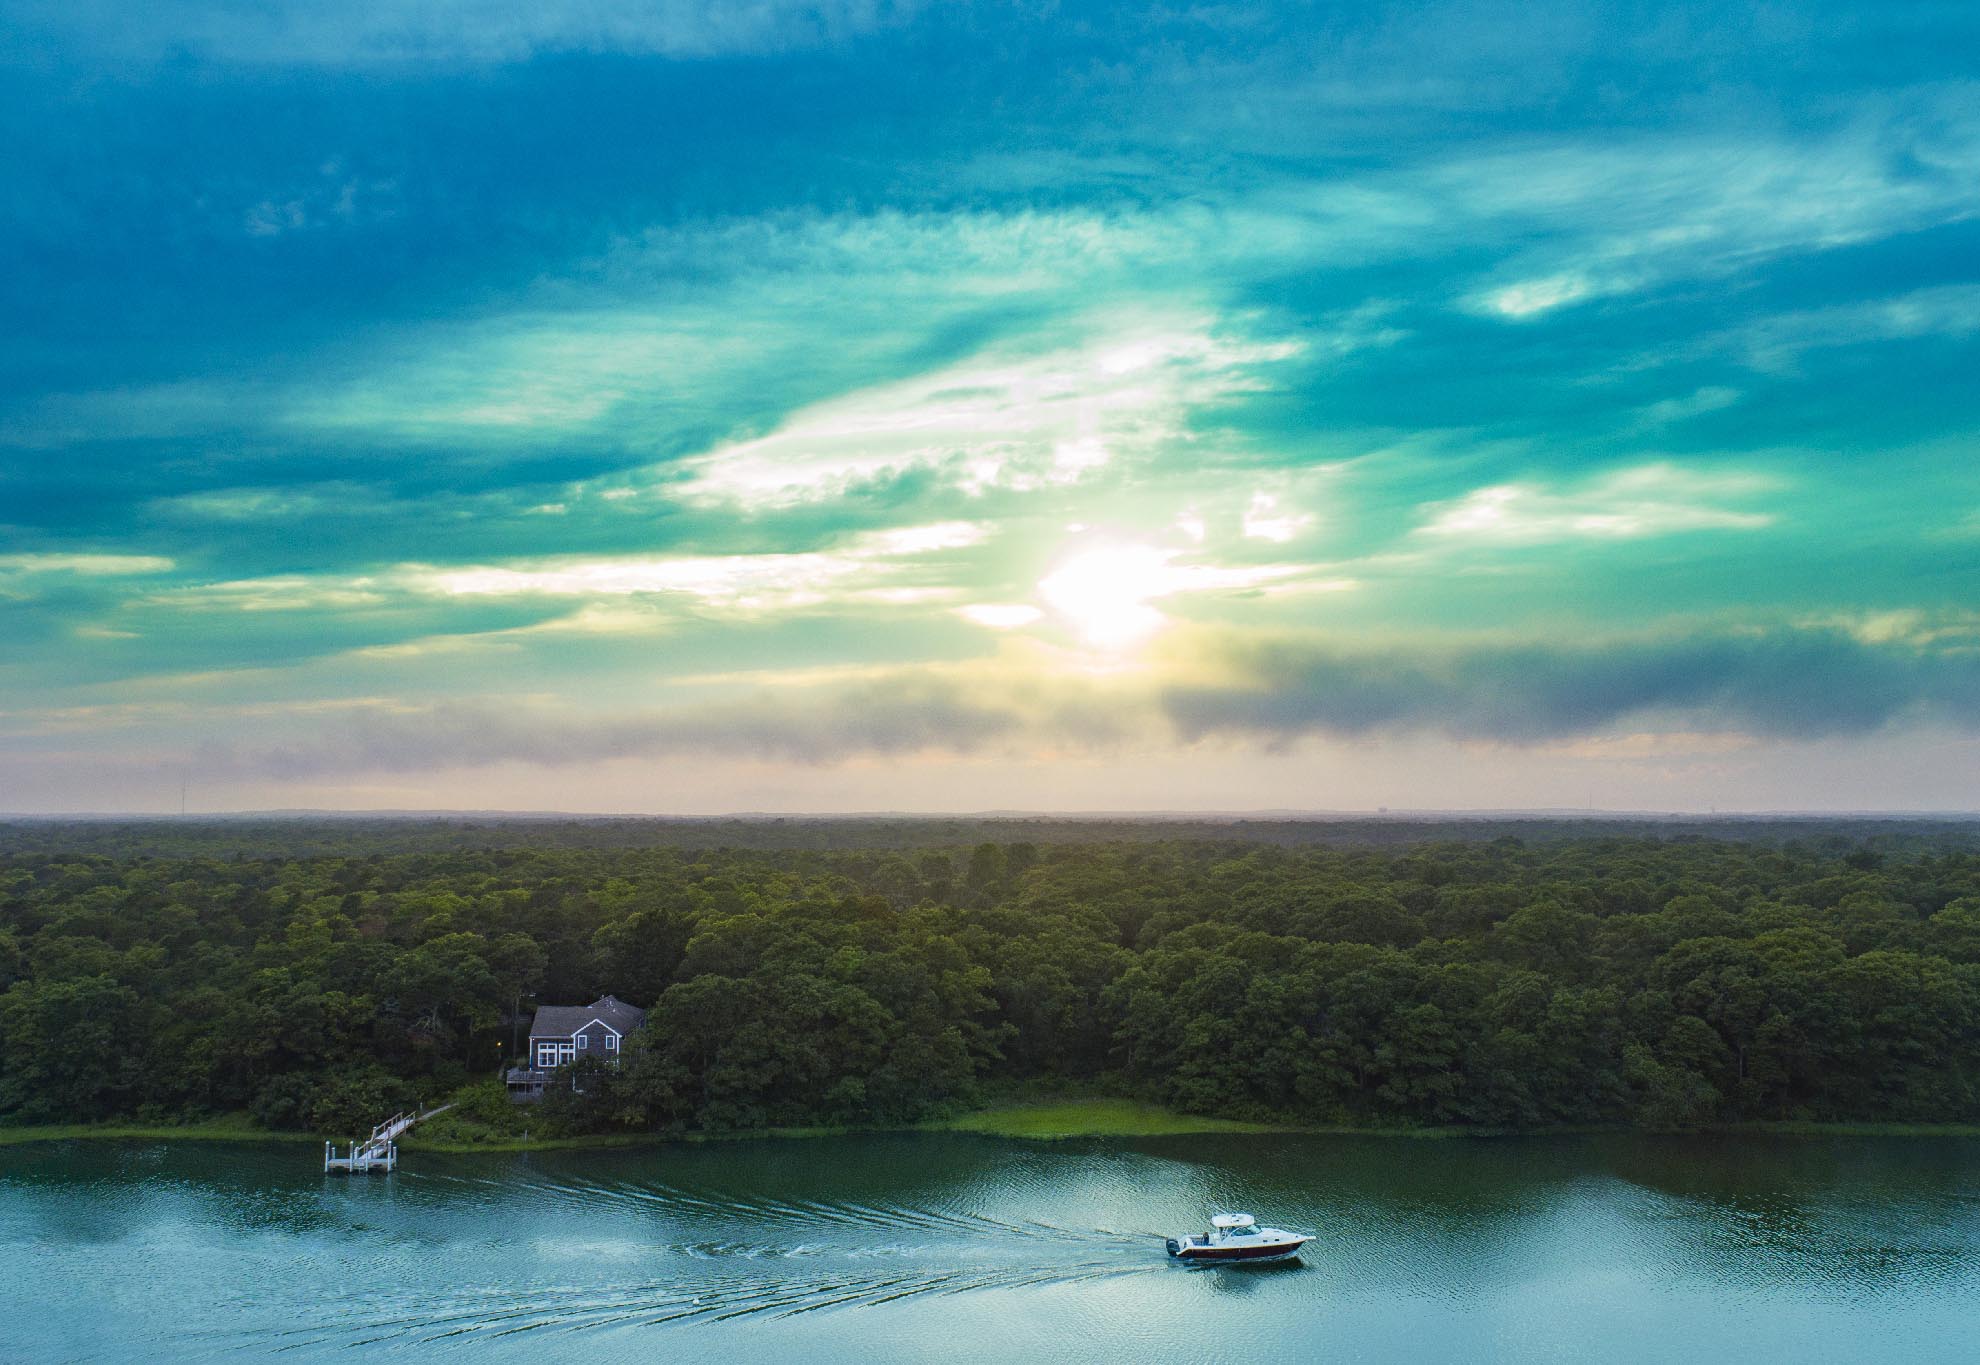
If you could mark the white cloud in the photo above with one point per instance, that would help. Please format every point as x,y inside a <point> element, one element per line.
<point>1622,217</point>
<point>1649,500</point>
<point>901,566</point>
<point>1915,627</point>
<point>89,565</point>
<point>282,592</point>
<point>1712,398</point>
<point>332,197</point>
<point>996,421</point>
<point>1776,342</point>
<point>262,504</point>
<point>700,326</point>
<point>920,540</point>
<point>1000,615</point>
<point>392,32</point>
<point>1529,298</point>
<point>867,568</point>
<point>1264,519</point>
<point>270,219</point>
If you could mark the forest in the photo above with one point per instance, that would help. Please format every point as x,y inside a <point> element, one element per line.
<point>1496,976</point>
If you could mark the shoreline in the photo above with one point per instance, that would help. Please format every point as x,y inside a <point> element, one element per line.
<point>1051,1121</point>
<point>218,1130</point>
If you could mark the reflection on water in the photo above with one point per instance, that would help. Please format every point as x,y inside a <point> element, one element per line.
<point>901,1247</point>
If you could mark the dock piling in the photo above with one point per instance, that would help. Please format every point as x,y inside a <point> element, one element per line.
<point>380,1151</point>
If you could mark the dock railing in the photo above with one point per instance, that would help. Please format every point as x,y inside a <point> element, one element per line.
<point>380,1151</point>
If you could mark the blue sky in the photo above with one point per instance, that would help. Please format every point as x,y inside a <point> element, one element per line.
<point>884,406</point>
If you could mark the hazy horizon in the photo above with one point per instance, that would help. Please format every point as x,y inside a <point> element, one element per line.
<point>1150,813</point>
<point>858,406</point>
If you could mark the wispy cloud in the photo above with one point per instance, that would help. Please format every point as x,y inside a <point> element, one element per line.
<point>286,592</point>
<point>1648,500</point>
<point>1665,411</point>
<point>1266,519</point>
<point>1777,341</point>
<point>347,33</point>
<point>88,565</point>
<point>716,325</point>
<point>897,566</point>
<point>870,567</point>
<point>1022,424</point>
<point>333,196</point>
<point>1636,215</point>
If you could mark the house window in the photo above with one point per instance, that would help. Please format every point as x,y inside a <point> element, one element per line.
<point>611,1044</point>
<point>584,1043</point>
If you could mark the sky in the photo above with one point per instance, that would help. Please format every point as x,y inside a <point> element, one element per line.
<point>856,405</point>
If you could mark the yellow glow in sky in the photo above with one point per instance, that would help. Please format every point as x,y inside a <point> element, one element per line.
<point>1103,593</point>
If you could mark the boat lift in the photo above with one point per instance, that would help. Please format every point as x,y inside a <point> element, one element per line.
<point>377,1153</point>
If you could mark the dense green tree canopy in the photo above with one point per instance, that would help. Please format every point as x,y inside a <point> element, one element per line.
<point>1504,982</point>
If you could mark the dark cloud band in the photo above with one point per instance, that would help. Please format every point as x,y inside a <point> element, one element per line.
<point>1787,684</point>
<point>1784,684</point>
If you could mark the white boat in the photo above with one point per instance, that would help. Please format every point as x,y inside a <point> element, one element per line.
<point>1236,1238</point>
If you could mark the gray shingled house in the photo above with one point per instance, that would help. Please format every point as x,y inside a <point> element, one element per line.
<point>560,1034</point>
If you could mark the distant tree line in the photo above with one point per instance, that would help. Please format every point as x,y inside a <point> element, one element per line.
<point>362,835</point>
<point>1504,983</point>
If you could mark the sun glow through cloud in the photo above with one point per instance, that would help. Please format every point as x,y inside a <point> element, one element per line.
<point>1299,403</point>
<point>1104,593</point>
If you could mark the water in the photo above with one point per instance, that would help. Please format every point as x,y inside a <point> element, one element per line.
<point>957,1248</point>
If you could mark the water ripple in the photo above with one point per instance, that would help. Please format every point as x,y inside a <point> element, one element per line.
<point>893,1248</point>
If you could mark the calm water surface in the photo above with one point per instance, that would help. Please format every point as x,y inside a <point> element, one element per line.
<point>912,1247</point>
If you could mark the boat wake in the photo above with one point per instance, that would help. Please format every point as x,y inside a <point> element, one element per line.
<point>497,1312</point>
<point>696,1258</point>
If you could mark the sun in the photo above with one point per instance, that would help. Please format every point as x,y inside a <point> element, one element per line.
<point>1103,593</point>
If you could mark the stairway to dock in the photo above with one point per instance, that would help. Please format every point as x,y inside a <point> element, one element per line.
<point>378,1153</point>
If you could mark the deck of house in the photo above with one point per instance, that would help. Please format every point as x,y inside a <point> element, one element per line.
<point>526,1083</point>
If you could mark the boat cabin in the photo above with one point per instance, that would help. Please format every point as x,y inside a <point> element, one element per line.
<point>1235,1237</point>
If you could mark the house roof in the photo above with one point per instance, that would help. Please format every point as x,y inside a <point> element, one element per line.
<point>561,1021</point>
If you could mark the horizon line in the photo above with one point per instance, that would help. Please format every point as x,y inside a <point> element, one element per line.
<point>1281,814</point>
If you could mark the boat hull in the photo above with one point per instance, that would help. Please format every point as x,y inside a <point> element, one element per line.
<point>1194,1254</point>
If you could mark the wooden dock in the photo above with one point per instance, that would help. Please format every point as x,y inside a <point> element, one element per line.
<point>378,1153</point>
